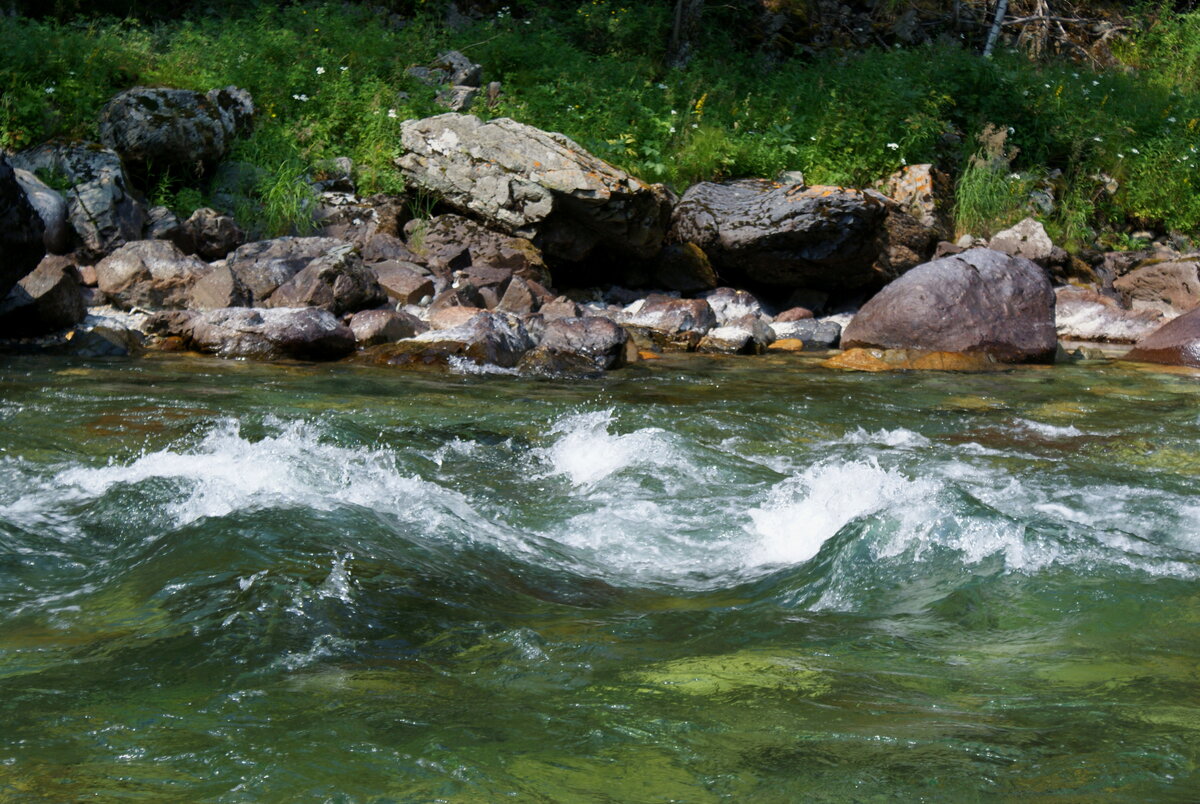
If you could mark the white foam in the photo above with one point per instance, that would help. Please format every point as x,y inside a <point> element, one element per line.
<point>1049,430</point>
<point>899,438</point>
<point>805,511</point>
<point>586,452</point>
<point>464,365</point>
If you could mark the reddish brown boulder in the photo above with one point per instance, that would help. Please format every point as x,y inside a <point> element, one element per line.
<point>977,301</point>
<point>1172,286</point>
<point>1176,343</point>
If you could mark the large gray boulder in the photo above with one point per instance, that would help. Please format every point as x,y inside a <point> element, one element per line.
<point>303,333</point>
<point>150,274</point>
<point>101,206</point>
<point>1176,343</point>
<point>794,236</point>
<point>158,128</point>
<point>978,301</point>
<point>52,209</point>
<point>47,300</point>
<point>532,183</point>
<point>22,232</point>
<point>597,343</point>
<point>254,271</point>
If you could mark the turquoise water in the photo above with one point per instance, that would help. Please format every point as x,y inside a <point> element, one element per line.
<point>692,580</point>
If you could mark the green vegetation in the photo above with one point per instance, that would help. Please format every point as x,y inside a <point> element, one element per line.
<point>1087,150</point>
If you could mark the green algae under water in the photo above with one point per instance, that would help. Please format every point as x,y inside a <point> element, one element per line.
<point>703,580</point>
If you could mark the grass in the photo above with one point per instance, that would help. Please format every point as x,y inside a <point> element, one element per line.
<point>1114,149</point>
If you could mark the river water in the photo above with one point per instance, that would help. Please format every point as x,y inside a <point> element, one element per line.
<point>692,580</point>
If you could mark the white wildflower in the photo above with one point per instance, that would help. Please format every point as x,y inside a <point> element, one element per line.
<point>1014,176</point>
<point>672,129</point>
<point>392,113</point>
<point>1170,119</point>
<point>661,86</point>
<point>49,90</point>
<point>343,68</point>
<point>320,71</point>
<point>1134,151</point>
<point>893,145</point>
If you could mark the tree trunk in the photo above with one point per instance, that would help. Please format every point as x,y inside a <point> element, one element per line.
<point>1001,10</point>
<point>683,30</point>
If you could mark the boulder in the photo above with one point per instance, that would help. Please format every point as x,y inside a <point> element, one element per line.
<point>373,327</point>
<point>1084,314</point>
<point>160,128</point>
<point>256,270</point>
<point>52,209</point>
<point>559,307</point>
<point>450,67</point>
<point>793,236</point>
<point>1176,343</point>
<point>661,322</point>
<point>22,233</point>
<point>977,301</point>
<point>747,335</point>
<point>162,224</point>
<point>1027,239</point>
<point>383,247</point>
<point>793,314</point>
<point>209,234</point>
<point>101,207</point>
<point>813,333</point>
<point>925,193</point>
<point>304,333</point>
<point>731,305</point>
<point>521,297</point>
<point>47,300</point>
<point>452,242</point>
<point>151,274</point>
<point>1172,287</point>
<point>487,338</point>
<point>451,317</point>
<point>405,282</point>
<point>531,183</point>
<point>338,282</point>
<point>598,341</point>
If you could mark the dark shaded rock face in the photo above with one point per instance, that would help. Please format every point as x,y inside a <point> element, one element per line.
<point>21,231</point>
<point>209,234</point>
<point>524,181</point>
<point>977,301</point>
<point>52,208</point>
<point>47,300</point>
<point>160,128</point>
<point>152,274</point>
<point>100,205</point>
<point>793,236</point>
<point>307,333</point>
<point>1176,343</point>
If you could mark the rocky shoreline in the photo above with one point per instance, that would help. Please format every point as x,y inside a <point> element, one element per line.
<point>541,258</point>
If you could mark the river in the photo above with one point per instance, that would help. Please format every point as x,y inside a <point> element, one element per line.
<point>747,579</point>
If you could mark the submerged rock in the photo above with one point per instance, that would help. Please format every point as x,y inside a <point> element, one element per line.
<point>912,360</point>
<point>977,301</point>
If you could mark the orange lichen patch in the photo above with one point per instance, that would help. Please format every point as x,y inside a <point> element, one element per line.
<point>787,345</point>
<point>912,360</point>
<point>645,354</point>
